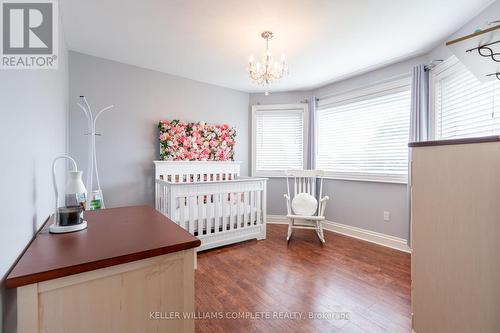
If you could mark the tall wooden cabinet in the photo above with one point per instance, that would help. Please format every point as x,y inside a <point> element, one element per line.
<point>455,209</point>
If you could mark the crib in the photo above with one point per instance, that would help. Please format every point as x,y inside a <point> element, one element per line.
<point>211,200</point>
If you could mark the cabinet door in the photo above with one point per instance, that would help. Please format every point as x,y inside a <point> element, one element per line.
<point>455,238</point>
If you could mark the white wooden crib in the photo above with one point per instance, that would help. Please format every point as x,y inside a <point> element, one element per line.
<point>211,201</point>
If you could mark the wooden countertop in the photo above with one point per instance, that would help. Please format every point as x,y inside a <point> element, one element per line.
<point>482,139</point>
<point>114,236</point>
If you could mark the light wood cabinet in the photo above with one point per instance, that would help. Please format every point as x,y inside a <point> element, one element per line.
<point>455,208</point>
<point>149,295</point>
<point>131,270</point>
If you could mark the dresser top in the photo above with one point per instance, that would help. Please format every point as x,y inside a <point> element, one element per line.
<point>464,141</point>
<point>114,236</point>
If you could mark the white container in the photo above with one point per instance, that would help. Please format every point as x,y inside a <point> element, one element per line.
<point>75,196</point>
<point>76,193</point>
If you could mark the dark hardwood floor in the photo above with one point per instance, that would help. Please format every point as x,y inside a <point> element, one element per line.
<point>367,282</point>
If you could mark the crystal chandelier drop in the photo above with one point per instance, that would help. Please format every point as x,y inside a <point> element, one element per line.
<point>267,70</point>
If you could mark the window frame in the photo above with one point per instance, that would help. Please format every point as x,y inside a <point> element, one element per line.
<point>394,85</point>
<point>444,69</point>
<point>435,74</point>
<point>278,108</point>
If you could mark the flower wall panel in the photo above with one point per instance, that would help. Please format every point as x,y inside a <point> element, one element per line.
<point>196,141</point>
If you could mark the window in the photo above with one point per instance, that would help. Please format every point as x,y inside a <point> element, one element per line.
<point>279,138</point>
<point>363,135</point>
<point>461,106</point>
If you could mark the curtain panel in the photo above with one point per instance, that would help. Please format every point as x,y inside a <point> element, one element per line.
<point>419,120</point>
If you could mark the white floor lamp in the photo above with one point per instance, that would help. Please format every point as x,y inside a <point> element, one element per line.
<point>94,196</point>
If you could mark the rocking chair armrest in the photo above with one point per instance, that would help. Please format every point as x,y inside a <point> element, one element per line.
<point>288,208</point>
<point>322,205</point>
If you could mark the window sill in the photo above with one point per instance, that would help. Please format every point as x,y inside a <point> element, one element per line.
<point>356,178</point>
<point>368,179</point>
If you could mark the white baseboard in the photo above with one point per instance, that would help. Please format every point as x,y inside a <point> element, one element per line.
<point>347,230</point>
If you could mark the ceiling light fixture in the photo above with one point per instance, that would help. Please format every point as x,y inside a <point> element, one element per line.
<point>267,70</point>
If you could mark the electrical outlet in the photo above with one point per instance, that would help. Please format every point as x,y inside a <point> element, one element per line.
<point>387,215</point>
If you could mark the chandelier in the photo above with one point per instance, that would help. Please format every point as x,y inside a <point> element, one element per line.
<point>267,70</point>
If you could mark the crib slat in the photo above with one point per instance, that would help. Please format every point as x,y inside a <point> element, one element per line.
<point>242,210</point>
<point>162,199</point>
<point>182,212</point>
<point>224,212</point>
<point>156,195</point>
<point>252,206</point>
<point>217,207</point>
<point>245,208</point>
<point>239,214</point>
<point>257,220</point>
<point>249,208</point>
<point>200,214</point>
<point>165,201</point>
<point>231,211</point>
<point>210,213</point>
<point>159,199</point>
<point>191,207</point>
<point>206,219</point>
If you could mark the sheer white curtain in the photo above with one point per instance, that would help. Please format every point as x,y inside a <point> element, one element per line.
<point>311,151</point>
<point>419,120</point>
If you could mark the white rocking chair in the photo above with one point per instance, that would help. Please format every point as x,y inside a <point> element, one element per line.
<point>306,181</point>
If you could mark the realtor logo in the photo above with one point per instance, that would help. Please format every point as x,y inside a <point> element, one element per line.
<point>29,34</point>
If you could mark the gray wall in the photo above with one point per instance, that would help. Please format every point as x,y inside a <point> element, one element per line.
<point>33,107</point>
<point>355,203</point>
<point>129,141</point>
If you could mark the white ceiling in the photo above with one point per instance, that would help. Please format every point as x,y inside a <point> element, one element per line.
<point>211,40</point>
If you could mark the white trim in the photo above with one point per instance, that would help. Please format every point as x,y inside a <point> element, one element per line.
<point>301,107</point>
<point>354,232</point>
<point>435,74</point>
<point>329,176</point>
<point>366,177</point>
